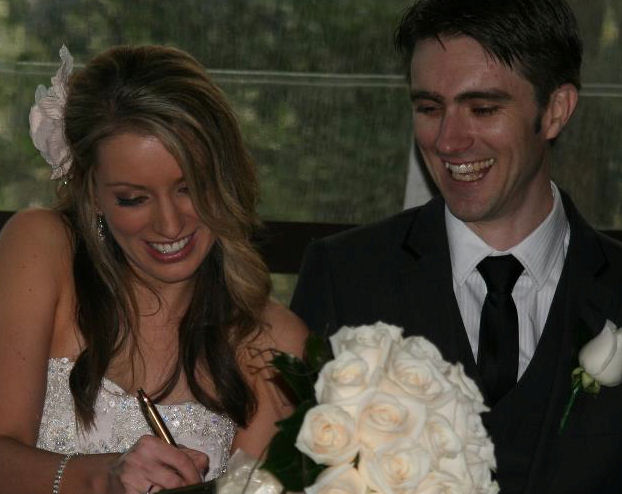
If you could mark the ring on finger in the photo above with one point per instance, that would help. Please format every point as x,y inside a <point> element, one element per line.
<point>148,491</point>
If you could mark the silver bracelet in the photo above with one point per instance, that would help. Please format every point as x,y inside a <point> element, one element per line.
<point>60,471</point>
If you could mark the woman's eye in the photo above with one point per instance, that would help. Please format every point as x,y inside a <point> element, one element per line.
<point>184,189</point>
<point>130,201</point>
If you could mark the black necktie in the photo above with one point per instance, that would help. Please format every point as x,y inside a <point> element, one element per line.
<point>497,355</point>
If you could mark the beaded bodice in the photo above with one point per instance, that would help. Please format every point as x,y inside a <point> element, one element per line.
<point>119,422</point>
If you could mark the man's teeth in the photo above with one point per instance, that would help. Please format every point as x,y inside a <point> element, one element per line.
<point>170,248</point>
<point>471,171</point>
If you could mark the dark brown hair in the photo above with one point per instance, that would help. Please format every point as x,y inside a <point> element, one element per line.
<point>540,38</point>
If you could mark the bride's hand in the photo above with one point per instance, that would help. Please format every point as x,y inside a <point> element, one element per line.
<point>152,465</point>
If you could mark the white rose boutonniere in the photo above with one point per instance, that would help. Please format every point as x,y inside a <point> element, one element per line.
<point>47,126</point>
<point>600,364</point>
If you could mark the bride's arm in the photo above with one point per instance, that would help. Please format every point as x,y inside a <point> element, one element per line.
<point>285,332</point>
<point>31,263</point>
<point>35,267</point>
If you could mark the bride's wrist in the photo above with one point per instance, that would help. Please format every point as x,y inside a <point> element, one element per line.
<point>90,473</point>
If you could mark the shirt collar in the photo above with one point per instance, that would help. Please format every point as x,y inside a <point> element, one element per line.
<point>537,252</point>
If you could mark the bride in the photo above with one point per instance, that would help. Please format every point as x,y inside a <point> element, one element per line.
<point>143,276</point>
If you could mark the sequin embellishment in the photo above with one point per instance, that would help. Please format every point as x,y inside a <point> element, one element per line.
<point>119,422</point>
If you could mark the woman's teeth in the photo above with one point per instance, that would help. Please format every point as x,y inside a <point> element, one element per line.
<point>471,171</point>
<point>170,248</point>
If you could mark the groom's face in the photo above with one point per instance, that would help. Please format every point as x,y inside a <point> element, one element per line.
<point>475,122</point>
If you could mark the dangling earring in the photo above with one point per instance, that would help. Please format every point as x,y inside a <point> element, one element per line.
<point>101,228</point>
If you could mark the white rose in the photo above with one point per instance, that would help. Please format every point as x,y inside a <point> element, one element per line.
<point>440,438</point>
<point>479,451</point>
<point>371,343</point>
<point>480,473</point>
<point>421,348</point>
<point>457,467</point>
<point>475,427</point>
<point>328,435</point>
<point>383,418</point>
<point>419,377</point>
<point>343,378</point>
<point>482,450</point>
<point>456,412</point>
<point>243,475</point>
<point>341,479</point>
<point>440,482</point>
<point>395,467</point>
<point>601,357</point>
<point>455,374</point>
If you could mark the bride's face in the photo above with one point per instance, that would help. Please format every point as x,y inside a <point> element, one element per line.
<point>142,194</point>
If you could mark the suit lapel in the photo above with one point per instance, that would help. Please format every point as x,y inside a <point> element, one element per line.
<point>429,303</point>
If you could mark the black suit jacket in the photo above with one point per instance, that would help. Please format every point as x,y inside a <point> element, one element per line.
<point>399,271</point>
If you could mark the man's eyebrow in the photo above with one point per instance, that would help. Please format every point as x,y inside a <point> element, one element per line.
<point>490,95</point>
<point>419,95</point>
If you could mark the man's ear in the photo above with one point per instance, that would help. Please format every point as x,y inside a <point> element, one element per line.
<point>560,108</point>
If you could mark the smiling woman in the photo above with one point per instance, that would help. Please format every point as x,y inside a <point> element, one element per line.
<point>144,276</point>
<point>140,190</point>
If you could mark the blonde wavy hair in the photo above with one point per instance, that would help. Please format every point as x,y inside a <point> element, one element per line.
<point>164,92</point>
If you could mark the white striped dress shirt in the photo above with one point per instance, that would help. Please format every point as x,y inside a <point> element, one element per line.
<point>542,254</point>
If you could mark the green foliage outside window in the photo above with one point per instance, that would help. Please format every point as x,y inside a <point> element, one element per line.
<point>318,89</point>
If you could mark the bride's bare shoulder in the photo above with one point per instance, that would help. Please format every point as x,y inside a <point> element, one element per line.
<point>36,221</point>
<point>36,230</point>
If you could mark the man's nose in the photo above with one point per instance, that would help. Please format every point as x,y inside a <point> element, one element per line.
<point>454,134</point>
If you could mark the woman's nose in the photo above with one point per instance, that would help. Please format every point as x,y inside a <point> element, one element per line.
<point>168,220</point>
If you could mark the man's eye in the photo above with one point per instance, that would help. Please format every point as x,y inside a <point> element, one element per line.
<point>130,201</point>
<point>485,110</point>
<point>426,109</point>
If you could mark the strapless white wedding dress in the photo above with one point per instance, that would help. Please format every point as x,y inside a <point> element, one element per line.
<point>119,422</point>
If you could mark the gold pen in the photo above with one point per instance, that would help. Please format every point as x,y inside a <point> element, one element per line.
<point>154,418</point>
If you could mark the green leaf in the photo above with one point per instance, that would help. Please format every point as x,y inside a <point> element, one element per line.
<point>296,374</point>
<point>293,469</point>
<point>577,376</point>
<point>317,352</point>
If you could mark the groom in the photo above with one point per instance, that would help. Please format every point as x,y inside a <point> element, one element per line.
<point>492,84</point>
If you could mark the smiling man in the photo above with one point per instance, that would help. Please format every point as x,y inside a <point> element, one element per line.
<point>500,272</point>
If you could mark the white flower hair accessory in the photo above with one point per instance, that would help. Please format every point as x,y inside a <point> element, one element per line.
<point>47,124</point>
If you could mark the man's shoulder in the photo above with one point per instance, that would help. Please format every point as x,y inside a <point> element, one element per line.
<point>611,247</point>
<point>388,231</point>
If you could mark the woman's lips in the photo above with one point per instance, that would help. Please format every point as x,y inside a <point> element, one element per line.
<point>172,251</point>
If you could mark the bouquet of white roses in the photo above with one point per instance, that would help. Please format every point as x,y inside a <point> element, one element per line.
<point>389,416</point>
